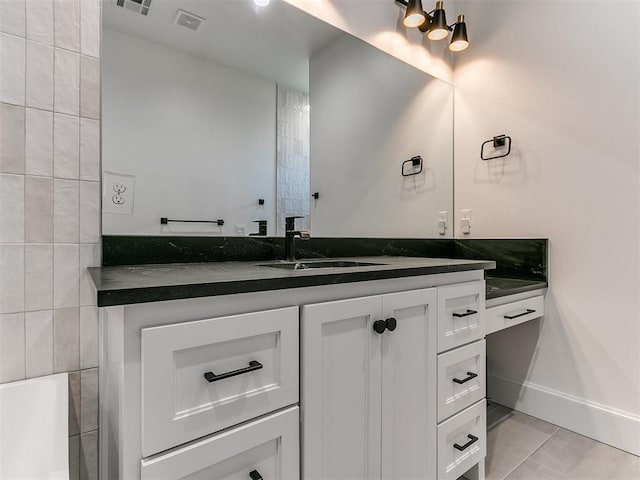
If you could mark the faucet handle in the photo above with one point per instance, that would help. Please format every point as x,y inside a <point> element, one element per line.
<point>290,222</point>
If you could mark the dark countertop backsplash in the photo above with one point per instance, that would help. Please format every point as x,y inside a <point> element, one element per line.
<point>515,258</point>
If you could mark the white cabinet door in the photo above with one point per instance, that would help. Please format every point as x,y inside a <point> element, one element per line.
<point>265,448</point>
<point>341,390</point>
<point>409,385</point>
<point>368,399</point>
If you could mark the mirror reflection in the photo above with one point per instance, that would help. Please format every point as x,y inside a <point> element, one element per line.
<point>232,116</point>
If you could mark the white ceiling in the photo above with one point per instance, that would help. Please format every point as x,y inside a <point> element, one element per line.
<point>272,42</point>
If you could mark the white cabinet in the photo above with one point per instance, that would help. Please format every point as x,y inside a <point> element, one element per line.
<point>265,448</point>
<point>368,387</point>
<point>342,378</point>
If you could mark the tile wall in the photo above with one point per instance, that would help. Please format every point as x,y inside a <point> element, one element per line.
<point>50,204</point>
<point>292,157</point>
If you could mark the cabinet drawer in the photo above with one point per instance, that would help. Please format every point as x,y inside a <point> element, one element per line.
<point>460,314</point>
<point>510,314</point>
<point>203,376</point>
<point>461,378</point>
<point>268,447</point>
<point>462,441</point>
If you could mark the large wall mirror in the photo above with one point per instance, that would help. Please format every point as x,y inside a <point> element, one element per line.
<point>224,110</point>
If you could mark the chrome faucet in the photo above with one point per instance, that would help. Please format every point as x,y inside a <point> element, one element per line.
<point>290,238</point>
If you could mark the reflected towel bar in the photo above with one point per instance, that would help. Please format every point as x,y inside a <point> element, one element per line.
<point>165,221</point>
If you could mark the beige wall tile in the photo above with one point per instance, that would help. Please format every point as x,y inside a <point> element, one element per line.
<point>39,277</point>
<point>89,456</point>
<point>40,21</point>
<point>12,59</point>
<point>39,343</point>
<point>89,400</point>
<point>88,337</point>
<point>74,403</point>
<point>66,82</point>
<point>66,24</point>
<point>12,128</point>
<point>12,278</point>
<point>39,75</point>
<point>89,257</point>
<point>66,340</point>
<point>66,146</point>
<point>90,87</point>
<point>39,210</point>
<point>90,27</point>
<point>66,211</point>
<point>12,17</point>
<point>12,347</point>
<point>66,264</point>
<point>89,212</point>
<point>11,208</point>
<point>74,457</point>
<point>39,142</point>
<point>89,149</point>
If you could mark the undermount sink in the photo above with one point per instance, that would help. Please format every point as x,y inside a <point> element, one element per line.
<point>300,265</point>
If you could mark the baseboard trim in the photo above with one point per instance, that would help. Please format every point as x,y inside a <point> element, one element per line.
<point>614,427</point>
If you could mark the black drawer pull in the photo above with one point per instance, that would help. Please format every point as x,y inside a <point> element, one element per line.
<point>465,380</point>
<point>255,475</point>
<point>465,314</point>
<point>473,439</point>
<point>253,365</point>
<point>511,317</point>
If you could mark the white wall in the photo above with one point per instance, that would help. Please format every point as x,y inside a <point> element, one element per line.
<point>205,151</point>
<point>567,91</point>
<point>379,22</point>
<point>369,113</point>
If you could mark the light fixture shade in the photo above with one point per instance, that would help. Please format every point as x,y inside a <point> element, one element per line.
<point>459,39</point>
<point>438,28</point>
<point>415,14</point>
<point>262,3</point>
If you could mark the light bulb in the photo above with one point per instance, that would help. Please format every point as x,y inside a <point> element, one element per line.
<point>261,3</point>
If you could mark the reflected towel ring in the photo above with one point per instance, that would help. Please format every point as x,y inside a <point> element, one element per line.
<point>415,162</point>
<point>498,141</point>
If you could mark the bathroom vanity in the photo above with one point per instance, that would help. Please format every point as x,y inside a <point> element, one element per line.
<point>242,370</point>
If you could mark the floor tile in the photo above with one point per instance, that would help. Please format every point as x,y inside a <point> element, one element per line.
<point>530,470</point>
<point>633,472</point>
<point>511,437</point>
<point>582,458</point>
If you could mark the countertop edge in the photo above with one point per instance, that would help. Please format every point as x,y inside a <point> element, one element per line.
<point>127,296</point>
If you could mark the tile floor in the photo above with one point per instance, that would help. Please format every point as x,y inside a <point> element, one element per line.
<point>520,447</point>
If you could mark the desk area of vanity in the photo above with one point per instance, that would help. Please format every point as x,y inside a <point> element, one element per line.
<point>372,371</point>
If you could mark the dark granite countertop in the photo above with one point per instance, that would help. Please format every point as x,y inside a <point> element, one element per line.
<point>502,286</point>
<point>129,284</point>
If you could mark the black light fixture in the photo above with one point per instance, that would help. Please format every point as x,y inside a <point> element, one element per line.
<point>434,24</point>
<point>459,39</point>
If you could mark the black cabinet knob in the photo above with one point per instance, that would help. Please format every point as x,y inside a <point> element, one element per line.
<point>379,326</point>
<point>391,324</point>
<point>255,475</point>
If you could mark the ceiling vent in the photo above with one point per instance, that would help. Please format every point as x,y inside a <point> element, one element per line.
<point>188,20</point>
<point>138,6</point>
